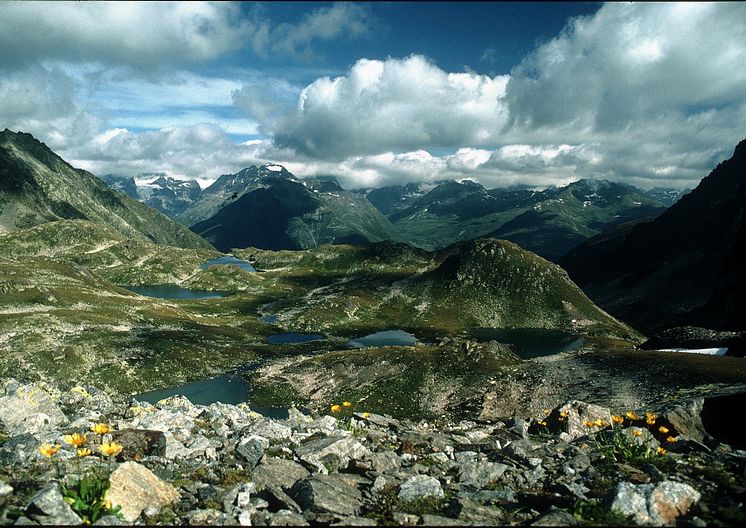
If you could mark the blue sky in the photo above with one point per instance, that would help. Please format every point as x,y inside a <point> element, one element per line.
<point>381,93</point>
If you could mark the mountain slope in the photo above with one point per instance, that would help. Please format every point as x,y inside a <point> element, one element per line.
<point>277,211</point>
<point>687,266</point>
<point>548,222</point>
<point>37,186</point>
<point>477,284</point>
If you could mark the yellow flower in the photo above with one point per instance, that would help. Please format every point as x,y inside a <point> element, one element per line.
<point>111,448</point>
<point>107,504</point>
<point>636,432</point>
<point>83,452</point>
<point>671,439</point>
<point>365,415</point>
<point>76,439</point>
<point>48,450</point>
<point>663,429</point>
<point>589,424</point>
<point>565,414</point>
<point>101,428</point>
<point>347,404</point>
<point>650,418</point>
<point>546,411</point>
<point>336,408</point>
<point>617,419</point>
<point>661,451</point>
<point>632,415</point>
<point>600,423</point>
<point>543,423</point>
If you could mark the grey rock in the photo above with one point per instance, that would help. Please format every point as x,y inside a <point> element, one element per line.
<point>30,409</point>
<point>480,473</point>
<point>471,512</point>
<point>277,499</point>
<point>354,521</point>
<point>278,472</point>
<point>653,504</point>
<point>556,517</point>
<point>420,487</point>
<point>251,449</point>
<point>48,507</point>
<point>437,520</point>
<point>332,452</point>
<point>327,494</point>
<point>405,519</point>
<point>384,461</point>
<point>110,520</point>
<point>6,490</point>
<point>269,429</point>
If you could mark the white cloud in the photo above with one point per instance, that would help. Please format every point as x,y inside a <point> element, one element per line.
<point>341,20</point>
<point>140,34</point>
<point>396,104</point>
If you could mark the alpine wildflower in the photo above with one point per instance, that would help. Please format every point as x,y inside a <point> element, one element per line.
<point>661,451</point>
<point>663,429</point>
<point>336,408</point>
<point>76,439</point>
<point>48,450</point>
<point>347,404</point>
<point>636,432</point>
<point>670,439</point>
<point>111,448</point>
<point>632,415</point>
<point>617,419</point>
<point>83,452</point>
<point>101,428</point>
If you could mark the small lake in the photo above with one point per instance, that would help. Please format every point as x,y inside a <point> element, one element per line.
<point>292,337</point>
<point>384,338</point>
<point>228,388</point>
<point>171,291</point>
<point>530,342</point>
<point>229,259</point>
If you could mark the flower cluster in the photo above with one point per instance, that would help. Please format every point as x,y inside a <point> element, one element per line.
<point>80,440</point>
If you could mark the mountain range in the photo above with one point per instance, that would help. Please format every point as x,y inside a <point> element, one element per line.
<point>269,207</point>
<point>687,266</point>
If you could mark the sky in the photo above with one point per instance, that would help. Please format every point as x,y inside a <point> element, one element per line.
<point>651,94</point>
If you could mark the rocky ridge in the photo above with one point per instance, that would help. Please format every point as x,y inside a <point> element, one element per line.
<point>179,463</point>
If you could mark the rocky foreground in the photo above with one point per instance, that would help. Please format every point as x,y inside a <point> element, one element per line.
<point>178,463</point>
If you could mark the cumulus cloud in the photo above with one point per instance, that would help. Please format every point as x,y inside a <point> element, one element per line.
<point>653,94</point>
<point>266,101</point>
<point>139,34</point>
<point>202,151</point>
<point>396,104</point>
<point>43,103</point>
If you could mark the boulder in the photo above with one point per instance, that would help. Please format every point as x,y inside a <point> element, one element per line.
<point>278,472</point>
<point>48,507</point>
<point>479,473</point>
<point>653,504</point>
<point>29,409</point>
<point>332,452</point>
<point>327,494</point>
<point>134,488</point>
<point>251,449</point>
<point>139,443</point>
<point>420,487</point>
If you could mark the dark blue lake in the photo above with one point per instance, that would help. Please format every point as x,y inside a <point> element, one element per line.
<point>229,259</point>
<point>384,338</point>
<point>171,291</point>
<point>228,388</point>
<point>292,337</point>
<point>531,342</point>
